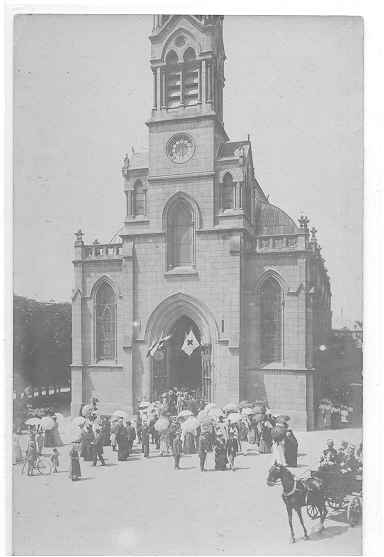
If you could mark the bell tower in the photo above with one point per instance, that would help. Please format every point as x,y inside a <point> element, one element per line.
<point>187,62</point>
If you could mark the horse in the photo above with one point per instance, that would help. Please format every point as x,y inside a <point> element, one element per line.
<point>299,493</point>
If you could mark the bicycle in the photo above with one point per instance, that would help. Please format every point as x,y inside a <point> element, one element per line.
<point>43,466</point>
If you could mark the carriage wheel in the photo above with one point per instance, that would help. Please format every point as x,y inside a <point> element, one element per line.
<point>43,467</point>
<point>354,511</point>
<point>335,503</point>
<point>313,511</point>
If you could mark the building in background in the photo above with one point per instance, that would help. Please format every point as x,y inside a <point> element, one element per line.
<point>203,258</point>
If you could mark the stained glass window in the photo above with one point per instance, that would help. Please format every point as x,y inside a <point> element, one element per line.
<point>271,321</point>
<point>105,323</point>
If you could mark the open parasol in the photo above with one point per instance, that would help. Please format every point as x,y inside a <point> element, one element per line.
<point>210,405</point>
<point>234,417</point>
<point>87,408</point>
<point>144,404</point>
<point>161,424</point>
<point>207,421</point>
<point>230,407</point>
<point>120,414</point>
<point>46,422</point>
<point>282,418</point>
<point>190,424</point>
<point>278,432</point>
<point>215,413</point>
<point>59,416</point>
<point>244,404</point>
<point>247,411</point>
<point>33,421</point>
<point>184,414</point>
<point>202,414</point>
<point>78,421</point>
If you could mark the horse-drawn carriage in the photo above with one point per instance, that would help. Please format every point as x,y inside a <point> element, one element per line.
<point>340,490</point>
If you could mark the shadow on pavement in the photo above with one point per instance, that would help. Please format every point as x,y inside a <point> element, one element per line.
<point>329,532</point>
<point>83,479</point>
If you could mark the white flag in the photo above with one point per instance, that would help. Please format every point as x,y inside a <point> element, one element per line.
<point>190,343</point>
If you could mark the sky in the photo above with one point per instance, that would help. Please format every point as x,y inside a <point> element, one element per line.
<point>82,94</point>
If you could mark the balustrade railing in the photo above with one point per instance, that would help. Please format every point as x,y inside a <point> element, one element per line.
<point>103,251</point>
<point>287,242</point>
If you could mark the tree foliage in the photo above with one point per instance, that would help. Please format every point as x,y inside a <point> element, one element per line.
<point>42,342</point>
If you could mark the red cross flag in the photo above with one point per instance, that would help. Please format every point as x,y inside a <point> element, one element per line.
<point>190,343</point>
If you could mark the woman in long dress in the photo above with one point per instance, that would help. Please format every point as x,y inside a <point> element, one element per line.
<point>87,450</point>
<point>122,444</point>
<point>221,459</point>
<point>290,449</point>
<point>189,443</point>
<point>49,440</point>
<point>56,435</point>
<point>74,467</point>
<point>106,432</point>
<point>164,442</point>
<point>265,445</point>
<point>244,437</point>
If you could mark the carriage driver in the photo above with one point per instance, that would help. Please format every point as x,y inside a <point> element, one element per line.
<point>329,457</point>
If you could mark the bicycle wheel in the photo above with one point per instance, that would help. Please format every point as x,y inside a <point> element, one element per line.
<point>43,467</point>
<point>354,511</point>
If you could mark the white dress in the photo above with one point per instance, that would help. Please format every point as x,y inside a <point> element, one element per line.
<point>278,454</point>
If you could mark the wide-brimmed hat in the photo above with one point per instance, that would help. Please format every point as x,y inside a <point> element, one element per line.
<point>329,441</point>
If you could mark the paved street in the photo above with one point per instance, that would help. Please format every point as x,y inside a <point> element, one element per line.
<point>145,507</point>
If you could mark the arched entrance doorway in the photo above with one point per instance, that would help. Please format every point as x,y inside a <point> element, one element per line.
<point>173,367</point>
<point>179,314</point>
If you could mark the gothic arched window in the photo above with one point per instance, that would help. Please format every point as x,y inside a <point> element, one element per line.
<point>227,192</point>
<point>180,234</point>
<point>138,199</point>
<point>271,321</point>
<point>105,323</point>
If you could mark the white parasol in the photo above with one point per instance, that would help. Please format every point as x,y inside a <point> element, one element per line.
<point>161,424</point>
<point>210,405</point>
<point>184,413</point>
<point>202,414</point>
<point>33,421</point>
<point>144,404</point>
<point>77,421</point>
<point>46,422</point>
<point>215,412</point>
<point>234,417</point>
<point>247,411</point>
<point>190,425</point>
<point>59,416</point>
<point>230,407</point>
<point>120,414</point>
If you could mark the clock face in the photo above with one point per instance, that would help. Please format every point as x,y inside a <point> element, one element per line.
<point>180,148</point>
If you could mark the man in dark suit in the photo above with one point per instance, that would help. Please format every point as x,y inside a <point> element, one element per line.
<point>97,446</point>
<point>176,449</point>
<point>145,440</point>
<point>203,449</point>
<point>131,434</point>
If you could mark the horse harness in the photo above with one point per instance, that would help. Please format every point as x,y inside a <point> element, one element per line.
<point>301,487</point>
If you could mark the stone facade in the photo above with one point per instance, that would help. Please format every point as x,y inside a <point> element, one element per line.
<point>236,242</point>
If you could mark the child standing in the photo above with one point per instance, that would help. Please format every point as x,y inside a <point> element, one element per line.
<point>55,459</point>
<point>176,449</point>
<point>232,449</point>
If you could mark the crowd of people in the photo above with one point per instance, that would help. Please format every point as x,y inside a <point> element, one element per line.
<point>180,422</point>
<point>333,415</point>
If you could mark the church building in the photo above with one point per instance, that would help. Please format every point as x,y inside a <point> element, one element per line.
<point>209,285</point>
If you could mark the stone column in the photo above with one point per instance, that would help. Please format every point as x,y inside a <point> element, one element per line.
<point>77,344</point>
<point>127,292</point>
<point>204,82</point>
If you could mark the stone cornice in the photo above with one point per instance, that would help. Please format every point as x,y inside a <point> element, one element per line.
<point>178,177</point>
